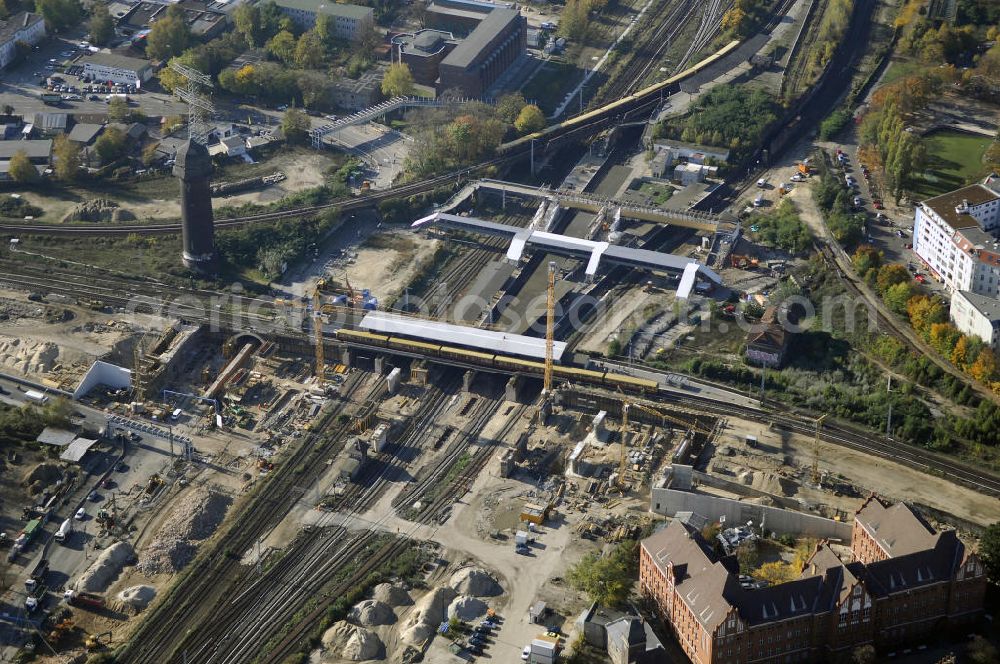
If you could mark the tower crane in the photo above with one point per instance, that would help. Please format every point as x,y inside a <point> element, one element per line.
<point>815,463</point>
<point>664,417</point>
<point>550,314</point>
<point>318,331</point>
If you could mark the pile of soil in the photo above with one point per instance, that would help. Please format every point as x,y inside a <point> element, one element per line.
<point>136,598</point>
<point>108,565</point>
<point>475,581</point>
<point>354,643</point>
<point>371,612</point>
<point>467,608</point>
<point>194,518</point>
<point>393,594</point>
<point>430,611</point>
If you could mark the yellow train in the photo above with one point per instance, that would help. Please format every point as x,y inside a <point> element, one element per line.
<point>506,362</point>
<point>669,86</point>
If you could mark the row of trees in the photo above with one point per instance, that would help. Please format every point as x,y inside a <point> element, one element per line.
<point>833,198</point>
<point>829,33</point>
<point>894,152</point>
<point>928,316</point>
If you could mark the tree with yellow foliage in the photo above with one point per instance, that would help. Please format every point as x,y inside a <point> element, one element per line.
<point>984,369</point>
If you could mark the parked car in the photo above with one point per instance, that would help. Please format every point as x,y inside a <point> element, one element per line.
<point>878,204</point>
<point>80,514</point>
<point>526,653</point>
<point>920,278</point>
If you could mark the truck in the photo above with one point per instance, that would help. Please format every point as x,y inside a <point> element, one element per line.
<point>76,598</point>
<point>31,529</point>
<point>64,531</point>
<point>37,575</point>
<point>34,396</point>
<point>51,98</point>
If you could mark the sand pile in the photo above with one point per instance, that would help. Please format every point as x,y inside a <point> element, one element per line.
<point>351,642</point>
<point>27,356</point>
<point>41,477</point>
<point>393,594</point>
<point>467,608</point>
<point>194,518</point>
<point>99,576</point>
<point>430,611</point>
<point>476,582</point>
<point>371,612</point>
<point>136,598</point>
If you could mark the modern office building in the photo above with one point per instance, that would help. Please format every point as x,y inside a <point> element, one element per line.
<point>485,55</point>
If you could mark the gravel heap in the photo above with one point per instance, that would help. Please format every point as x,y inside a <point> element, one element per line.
<point>430,611</point>
<point>475,581</point>
<point>194,518</point>
<point>354,643</point>
<point>98,209</point>
<point>28,356</point>
<point>136,598</point>
<point>393,594</point>
<point>467,608</point>
<point>371,612</point>
<point>99,576</point>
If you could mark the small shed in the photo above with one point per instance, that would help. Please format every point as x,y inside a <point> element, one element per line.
<point>533,513</point>
<point>77,449</point>
<point>55,436</point>
<point>537,612</point>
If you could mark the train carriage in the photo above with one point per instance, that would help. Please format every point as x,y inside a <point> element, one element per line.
<point>362,337</point>
<point>467,356</point>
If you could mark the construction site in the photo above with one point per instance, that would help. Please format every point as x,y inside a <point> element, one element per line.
<point>399,455</point>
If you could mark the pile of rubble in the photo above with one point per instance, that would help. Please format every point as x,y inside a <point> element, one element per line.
<point>28,357</point>
<point>134,598</point>
<point>194,518</point>
<point>98,209</point>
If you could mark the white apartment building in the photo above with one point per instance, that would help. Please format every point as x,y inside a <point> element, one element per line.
<point>21,27</point>
<point>977,316</point>
<point>955,236</point>
<point>350,22</point>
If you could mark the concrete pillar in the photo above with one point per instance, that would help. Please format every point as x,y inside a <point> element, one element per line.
<point>392,380</point>
<point>345,356</point>
<point>512,389</point>
<point>379,364</point>
<point>467,379</point>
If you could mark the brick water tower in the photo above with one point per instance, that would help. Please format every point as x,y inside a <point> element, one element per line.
<point>193,166</point>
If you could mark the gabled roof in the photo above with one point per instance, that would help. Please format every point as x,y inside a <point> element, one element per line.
<point>897,529</point>
<point>920,568</point>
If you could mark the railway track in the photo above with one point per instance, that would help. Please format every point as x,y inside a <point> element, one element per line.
<point>164,633</point>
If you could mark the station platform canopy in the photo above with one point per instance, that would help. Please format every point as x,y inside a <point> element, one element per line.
<point>592,251</point>
<point>460,335</point>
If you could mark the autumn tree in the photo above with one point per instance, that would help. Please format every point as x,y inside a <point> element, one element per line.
<point>21,168</point>
<point>924,311</point>
<point>984,369</point>
<point>890,275</point>
<point>67,158</point>
<point>960,354</point>
<point>943,337</point>
<point>608,579</point>
<point>110,145</point>
<point>866,257</point>
<point>509,106</point>
<point>118,109</point>
<point>398,81</point>
<point>169,36</point>
<point>529,120</point>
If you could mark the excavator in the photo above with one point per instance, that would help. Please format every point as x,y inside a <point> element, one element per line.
<point>94,641</point>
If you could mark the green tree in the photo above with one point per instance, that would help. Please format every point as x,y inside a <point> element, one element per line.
<point>110,145</point>
<point>529,120</point>
<point>865,258</point>
<point>60,14</point>
<point>398,81</point>
<point>982,651</point>
<point>102,27</point>
<point>864,655</point>
<point>309,51</point>
<point>295,126</point>
<point>509,106</point>
<point>282,46</point>
<point>897,296</point>
<point>325,31</point>
<point>247,23</point>
<point>989,551</point>
<point>21,168</point>
<point>118,110</point>
<point>607,580</point>
<point>169,36</point>
<point>67,158</point>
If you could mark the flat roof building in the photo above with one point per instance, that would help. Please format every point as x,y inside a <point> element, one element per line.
<point>422,52</point>
<point>977,316</point>
<point>496,44</point>
<point>21,27</point>
<point>350,22</point>
<point>118,69</point>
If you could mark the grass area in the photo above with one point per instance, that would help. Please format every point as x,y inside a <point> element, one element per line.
<point>658,193</point>
<point>954,159</point>
<point>901,69</point>
<point>550,84</point>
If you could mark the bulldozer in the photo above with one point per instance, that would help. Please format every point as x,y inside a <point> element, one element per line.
<point>94,641</point>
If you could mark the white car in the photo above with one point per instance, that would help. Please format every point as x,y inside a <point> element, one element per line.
<point>526,653</point>
<point>80,514</point>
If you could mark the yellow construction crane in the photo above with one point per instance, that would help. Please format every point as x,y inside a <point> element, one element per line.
<point>626,406</point>
<point>550,324</point>
<point>318,331</point>
<point>815,464</point>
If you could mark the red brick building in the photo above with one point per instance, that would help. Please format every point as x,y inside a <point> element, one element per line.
<point>905,580</point>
